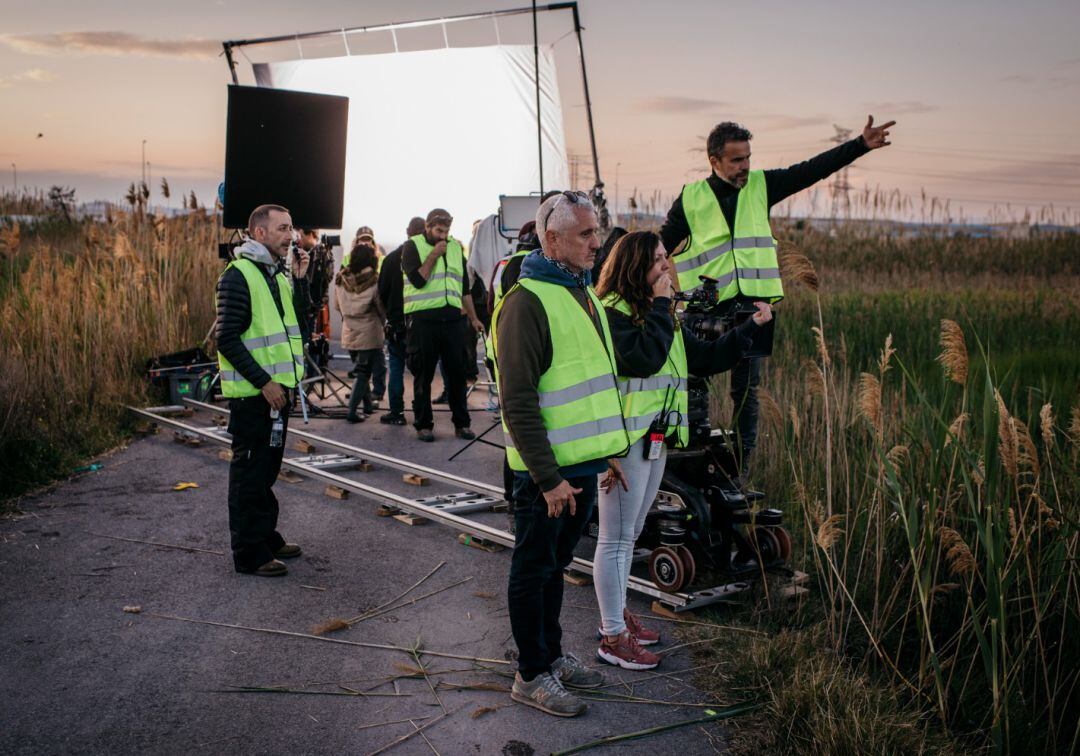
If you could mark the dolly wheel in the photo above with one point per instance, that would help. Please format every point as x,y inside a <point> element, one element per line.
<point>767,544</point>
<point>688,563</point>
<point>666,569</point>
<point>784,539</point>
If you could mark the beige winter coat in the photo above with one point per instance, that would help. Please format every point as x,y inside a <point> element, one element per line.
<point>356,297</point>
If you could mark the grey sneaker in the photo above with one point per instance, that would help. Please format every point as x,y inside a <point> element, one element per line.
<point>572,673</point>
<point>547,694</point>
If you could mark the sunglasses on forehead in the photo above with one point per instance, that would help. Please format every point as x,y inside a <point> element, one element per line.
<point>577,198</point>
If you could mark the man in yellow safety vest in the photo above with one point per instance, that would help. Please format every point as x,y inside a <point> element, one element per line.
<point>261,362</point>
<point>562,418</point>
<point>724,220</point>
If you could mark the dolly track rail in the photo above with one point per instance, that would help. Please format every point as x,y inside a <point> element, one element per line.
<point>404,466</point>
<point>679,601</point>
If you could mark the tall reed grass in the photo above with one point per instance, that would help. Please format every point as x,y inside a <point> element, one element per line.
<point>940,524</point>
<point>83,306</point>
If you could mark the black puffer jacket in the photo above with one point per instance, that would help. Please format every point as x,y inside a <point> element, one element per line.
<point>234,317</point>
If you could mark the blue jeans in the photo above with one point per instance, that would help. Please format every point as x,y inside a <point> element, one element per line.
<point>543,547</point>
<point>395,349</point>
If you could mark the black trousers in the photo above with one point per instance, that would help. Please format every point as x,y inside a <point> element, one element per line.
<point>253,508</point>
<point>543,547</point>
<point>428,342</point>
<point>745,378</point>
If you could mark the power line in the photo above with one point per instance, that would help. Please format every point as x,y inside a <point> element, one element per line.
<point>963,177</point>
<point>949,153</point>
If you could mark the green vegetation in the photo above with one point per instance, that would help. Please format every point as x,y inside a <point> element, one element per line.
<point>83,306</point>
<point>923,441</point>
<point>922,432</point>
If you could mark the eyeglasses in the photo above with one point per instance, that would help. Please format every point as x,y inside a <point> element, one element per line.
<point>577,198</point>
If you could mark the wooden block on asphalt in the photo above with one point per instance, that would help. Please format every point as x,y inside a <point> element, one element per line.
<point>793,592</point>
<point>336,492</point>
<point>226,454</point>
<point>364,466</point>
<point>662,611</point>
<point>576,578</point>
<point>384,510</point>
<point>290,477</point>
<point>411,519</point>
<point>145,428</point>
<point>476,542</point>
<point>500,506</point>
<point>220,420</point>
<point>184,437</point>
<point>304,446</point>
<point>415,480</point>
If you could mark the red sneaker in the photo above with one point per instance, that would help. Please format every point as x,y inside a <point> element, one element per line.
<point>644,635</point>
<point>624,651</point>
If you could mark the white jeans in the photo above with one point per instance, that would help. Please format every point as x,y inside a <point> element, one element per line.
<point>622,516</point>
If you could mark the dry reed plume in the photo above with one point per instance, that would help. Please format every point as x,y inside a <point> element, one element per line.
<point>954,356</point>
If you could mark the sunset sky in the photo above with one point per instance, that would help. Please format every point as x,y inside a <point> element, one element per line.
<point>987,94</point>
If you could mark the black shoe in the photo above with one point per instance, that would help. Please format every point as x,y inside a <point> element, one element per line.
<point>393,418</point>
<point>351,373</point>
<point>425,434</point>
<point>465,433</point>
<point>355,418</point>
<point>440,399</point>
<point>273,568</point>
<point>288,551</point>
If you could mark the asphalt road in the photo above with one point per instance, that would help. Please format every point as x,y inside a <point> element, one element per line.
<point>80,675</point>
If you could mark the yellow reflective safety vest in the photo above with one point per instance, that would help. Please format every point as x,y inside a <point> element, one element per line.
<point>443,285</point>
<point>579,397</point>
<point>645,398</point>
<point>744,262</point>
<point>497,295</point>
<point>272,338</point>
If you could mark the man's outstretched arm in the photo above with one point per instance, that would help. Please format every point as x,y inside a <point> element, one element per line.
<point>784,182</point>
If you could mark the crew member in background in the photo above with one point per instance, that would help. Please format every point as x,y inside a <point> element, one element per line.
<point>356,297</point>
<point>563,422</point>
<point>435,288</point>
<point>390,294</point>
<point>725,221</point>
<point>260,357</point>
<point>364,235</point>
<point>320,272</point>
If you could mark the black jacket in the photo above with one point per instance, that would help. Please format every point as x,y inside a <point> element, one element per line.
<point>234,317</point>
<point>640,351</point>
<point>391,289</point>
<point>780,184</point>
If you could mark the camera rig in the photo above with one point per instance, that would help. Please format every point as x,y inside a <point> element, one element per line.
<point>701,518</point>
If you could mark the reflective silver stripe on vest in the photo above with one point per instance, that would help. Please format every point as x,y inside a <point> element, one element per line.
<point>446,274</point>
<point>261,342</point>
<point>577,432</point>
<point>293,331</point>
<point>652,383</point>
<point>575,392</point>
<point>758,273</point>
<point>587,429</point>
<point>431,295</point>
<point>698,260</point>
<point>753,242</point>
<point>280,367</point>
<point>721,282</point>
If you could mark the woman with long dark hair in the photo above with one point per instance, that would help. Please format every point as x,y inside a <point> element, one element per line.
<point>654,355</point>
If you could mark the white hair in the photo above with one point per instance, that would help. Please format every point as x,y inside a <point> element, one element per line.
<point>557,214</point>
